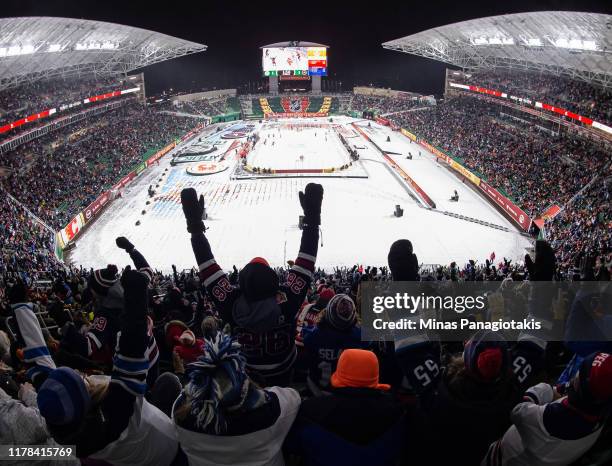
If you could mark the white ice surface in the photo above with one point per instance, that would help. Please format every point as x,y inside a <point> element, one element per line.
<point>302,148</point>
<point>259,217</point>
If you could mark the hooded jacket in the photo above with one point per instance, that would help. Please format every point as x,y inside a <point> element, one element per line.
<point>265,328</point>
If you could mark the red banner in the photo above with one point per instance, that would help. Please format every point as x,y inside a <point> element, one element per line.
<point>435,151</point>
<point>550,108</point>
<point>551,212</point>
<point>28,119</point>
<point>362,132</point>
<point>154,158</point>
<point>97,98</point>
<point>125,180</point>
<point>516,213</point>
<point>484,90</point>
<point>562,111</point>
<point>92,209</point>
<point>383,121</point>
<point>192,133</point>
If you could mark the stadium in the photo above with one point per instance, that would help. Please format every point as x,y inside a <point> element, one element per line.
<point>187,277</point>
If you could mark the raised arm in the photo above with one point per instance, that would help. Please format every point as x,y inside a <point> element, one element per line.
<point>35,349</point>
<point>140,262</point>
<point>528,353</point>
<point>130,364</point>
<point>301,272</point>
<point>214,279</point>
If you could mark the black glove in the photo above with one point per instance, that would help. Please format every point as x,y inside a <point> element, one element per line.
<point>134,291</point>
<point>193,208</point>
<point>543,269</point>
<point>310,200</point>
<point>124,243</point>
<point>18,292</point>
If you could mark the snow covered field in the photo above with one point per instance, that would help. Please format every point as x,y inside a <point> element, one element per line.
<point>303,148</point>
<point>258,217</point>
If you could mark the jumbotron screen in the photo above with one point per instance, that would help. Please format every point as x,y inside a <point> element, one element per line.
<point>294,61</point>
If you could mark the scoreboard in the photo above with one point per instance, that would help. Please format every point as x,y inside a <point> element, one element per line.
<point>294,61</point>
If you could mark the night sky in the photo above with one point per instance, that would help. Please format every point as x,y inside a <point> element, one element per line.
<point>234,31</point>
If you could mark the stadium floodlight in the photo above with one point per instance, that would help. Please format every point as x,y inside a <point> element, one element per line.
<point>496,40</point>
<point>574,44</point>
<point>107,45</point>
<point>16,50</point>
<point>533,42</point>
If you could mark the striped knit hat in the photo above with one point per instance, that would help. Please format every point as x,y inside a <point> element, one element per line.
<point>218,384</point>
<point>63,398</point>
<point>340,312</point>
<point>102,279</point>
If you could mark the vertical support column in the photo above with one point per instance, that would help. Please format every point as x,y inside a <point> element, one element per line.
<point>273,85</point>
<point>316,85</point>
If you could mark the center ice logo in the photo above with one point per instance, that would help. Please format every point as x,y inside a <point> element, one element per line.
<point>295,105</point>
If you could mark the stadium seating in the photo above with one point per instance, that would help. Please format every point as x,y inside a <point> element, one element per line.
<point>525,164</point>
<point>304,104</point>
<point>95,157</point>
<point>383,105</point>
<point>32,100</point>
<point>576,96</point>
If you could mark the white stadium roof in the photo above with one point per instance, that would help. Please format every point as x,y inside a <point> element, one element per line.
<point>574,44</point>
<point>34,48</point>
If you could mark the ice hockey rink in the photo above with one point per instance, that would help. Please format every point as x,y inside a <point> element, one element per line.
<point>286,146</point>
<point>259,216</point>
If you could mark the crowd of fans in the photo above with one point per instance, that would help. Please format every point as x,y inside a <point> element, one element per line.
<point>532,169</point>
<point>585,225</point>
<point>26,246</point>
<point>205,107</point>
<point>383,105</point>
<point>79,165</point>
<point>268,366</point>
<point>577,96</point>
<point>264,366</point>
<point>22,101</point>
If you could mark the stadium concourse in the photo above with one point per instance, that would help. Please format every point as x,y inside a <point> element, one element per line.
<point>143,324</point>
